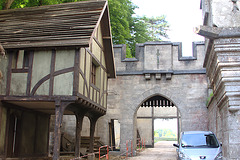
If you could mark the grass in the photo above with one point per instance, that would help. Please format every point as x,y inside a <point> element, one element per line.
<point>156,139</point>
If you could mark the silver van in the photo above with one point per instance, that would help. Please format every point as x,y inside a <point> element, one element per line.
<point>198,145</point>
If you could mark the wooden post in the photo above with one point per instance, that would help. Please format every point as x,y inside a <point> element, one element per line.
<point>59,111</point>
<point>79,122</point>
<point>93,121</point>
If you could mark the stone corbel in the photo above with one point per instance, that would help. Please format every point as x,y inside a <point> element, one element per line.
<point>158,76</point>
<point>168,76</point>
<point>207,31</point>
<point>215,32</point>
<point>233,109</point>
<point>147,76</point>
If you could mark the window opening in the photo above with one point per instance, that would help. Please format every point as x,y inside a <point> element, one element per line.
<point>115,134</point>
<point>14,135</point>
<point>20,60</point>
<point>14,123</point>
<point>26,59</point>
<point>14,60</point>
<point>93,74</point>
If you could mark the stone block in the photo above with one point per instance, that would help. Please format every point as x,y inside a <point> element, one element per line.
<point>147,76</point>
<point>234,151</point>
<point>168,76</point>
<point>158,76</point>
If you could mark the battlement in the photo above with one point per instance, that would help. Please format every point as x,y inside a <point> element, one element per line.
<point>160,58</point>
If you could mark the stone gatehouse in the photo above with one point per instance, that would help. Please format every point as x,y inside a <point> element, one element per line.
<point>158,72</point>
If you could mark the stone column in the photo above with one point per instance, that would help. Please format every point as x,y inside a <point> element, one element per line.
<point>223,70</point>
<point>127,129</point>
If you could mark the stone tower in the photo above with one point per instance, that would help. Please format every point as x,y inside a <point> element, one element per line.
<point>222,61</point>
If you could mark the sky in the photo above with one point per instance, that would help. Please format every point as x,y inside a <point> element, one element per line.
<point>182,16</point>
<point>166,124</point>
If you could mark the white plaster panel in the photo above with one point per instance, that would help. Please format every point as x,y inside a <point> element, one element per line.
<point>41,67</point>
<point>18,84</point>
<point>63,84</point>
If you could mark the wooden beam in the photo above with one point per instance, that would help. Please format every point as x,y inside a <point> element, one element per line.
<point>59,111</point>
<point>69,24</point>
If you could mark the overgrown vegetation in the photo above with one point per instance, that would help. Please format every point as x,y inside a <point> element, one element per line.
<point>164,135</point>
<point>209,98</point>
<point>126,28</point>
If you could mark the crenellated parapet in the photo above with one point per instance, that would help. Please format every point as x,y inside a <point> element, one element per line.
<point>159,59</point>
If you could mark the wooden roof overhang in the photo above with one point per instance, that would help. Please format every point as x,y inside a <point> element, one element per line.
<point>53,26</point>
<point>61,25</point>
<point>46,104</point>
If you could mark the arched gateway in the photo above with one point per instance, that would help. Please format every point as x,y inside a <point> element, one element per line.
<point>158,71</point>
<point>152,116</point>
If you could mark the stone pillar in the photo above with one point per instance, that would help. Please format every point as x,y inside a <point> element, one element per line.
<point>223,69</point>
<point>127,132</point>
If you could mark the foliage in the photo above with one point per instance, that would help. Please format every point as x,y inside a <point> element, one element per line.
<point>167,133</point>
<point>30,3</point>
<point>157,27</point>
<point>121,12</point>
<point>164,135</point>
<point>126,29</point>
<point>209,98</point>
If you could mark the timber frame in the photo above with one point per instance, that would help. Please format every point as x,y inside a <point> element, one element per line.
<point>61,42</point>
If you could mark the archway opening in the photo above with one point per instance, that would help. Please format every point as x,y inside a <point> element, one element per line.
<point>158,119</point>
<point>165,129</point>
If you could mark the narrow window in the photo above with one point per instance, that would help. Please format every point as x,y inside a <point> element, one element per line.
<point>14,60</point>
<point>26,59</point>
<point>12,149</point>
<point>93,74</point>
<point>20,60</point>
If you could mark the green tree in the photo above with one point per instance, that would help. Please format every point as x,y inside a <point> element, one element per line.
<point>157,27</point>
<point>126,29</point>
<point>11,4</point>
<point>121,12</point>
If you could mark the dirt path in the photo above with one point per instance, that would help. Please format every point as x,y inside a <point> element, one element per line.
<point>163,151</point>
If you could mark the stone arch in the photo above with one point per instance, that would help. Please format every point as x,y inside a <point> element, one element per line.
<point>140,98</point>
<point>151,112</point>
<point>127,121</point>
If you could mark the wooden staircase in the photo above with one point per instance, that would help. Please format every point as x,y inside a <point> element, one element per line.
<point>68,147</point>
<point>85,143</point>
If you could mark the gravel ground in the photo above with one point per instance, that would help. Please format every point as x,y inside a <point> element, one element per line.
<point>163,150</point>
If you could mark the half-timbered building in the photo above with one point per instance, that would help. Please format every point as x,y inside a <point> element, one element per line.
<point>58,61</point>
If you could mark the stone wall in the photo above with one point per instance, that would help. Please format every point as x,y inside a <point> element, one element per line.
<point>223,71</point>
<point>222,18</point>
<point>182,81</point>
